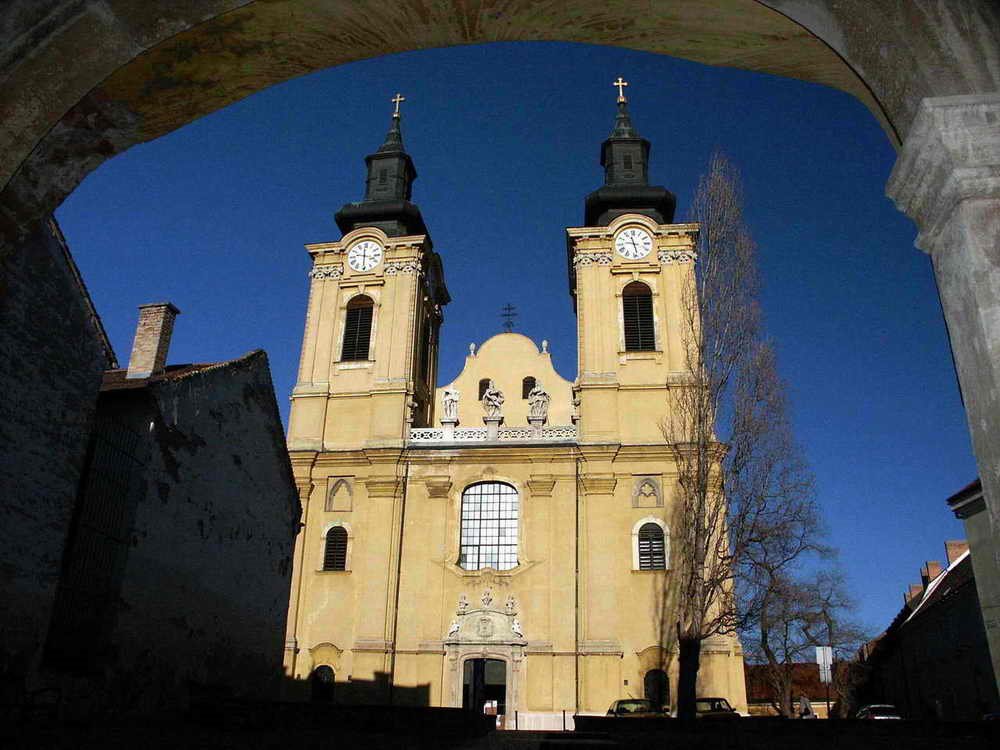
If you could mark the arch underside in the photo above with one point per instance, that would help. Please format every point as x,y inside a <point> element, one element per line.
<point>111,82</point>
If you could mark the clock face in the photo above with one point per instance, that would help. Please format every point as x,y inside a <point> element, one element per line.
<point>633,243</point>
<point>364,256</point>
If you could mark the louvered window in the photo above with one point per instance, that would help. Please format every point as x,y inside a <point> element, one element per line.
<point>637,315</point>
<point>526,385</point>
<point>357,329</point>
<point>651,550</point>
<point>335,551</point>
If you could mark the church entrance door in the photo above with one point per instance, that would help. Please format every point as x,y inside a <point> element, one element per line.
<point>483,682</point>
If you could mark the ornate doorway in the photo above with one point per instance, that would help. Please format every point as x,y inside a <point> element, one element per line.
<point>484,681</point>
<point>484,655</point>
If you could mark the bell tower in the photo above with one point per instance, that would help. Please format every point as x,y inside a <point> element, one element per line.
<point>369,353</point>
<point>629,267</point>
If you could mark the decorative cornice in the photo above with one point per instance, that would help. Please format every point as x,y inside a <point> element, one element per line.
<point>402,266</point>
<point>437,487</point>
<point>587,259</point>
<point>598,484</point>
<point>327,272</point>
<point>372,644</point>
<point>669,257</point>
<point>541,485</point>
<point>601,647</point>
<point>382,486</point>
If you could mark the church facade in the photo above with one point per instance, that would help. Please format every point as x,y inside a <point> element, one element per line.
<point>506,537</point>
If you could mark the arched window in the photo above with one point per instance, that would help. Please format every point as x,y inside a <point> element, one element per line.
<point>483,385</point>
<point>637,316</point>
<point>652,552</point>
<point>489,526</point>
<point>526,385</point>
<point>335,550</point>
<point>357,329</point>
<point>321,684</point>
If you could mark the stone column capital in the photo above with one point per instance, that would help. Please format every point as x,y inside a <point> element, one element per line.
<point>951,155</point>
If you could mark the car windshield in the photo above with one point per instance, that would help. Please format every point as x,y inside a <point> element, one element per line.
<point>634,707</point>
<point>712,704</point>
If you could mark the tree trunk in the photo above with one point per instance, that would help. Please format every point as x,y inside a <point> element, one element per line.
<point>687,663</point>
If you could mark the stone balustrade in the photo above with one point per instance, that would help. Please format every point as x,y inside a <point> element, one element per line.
<point>460,435</point>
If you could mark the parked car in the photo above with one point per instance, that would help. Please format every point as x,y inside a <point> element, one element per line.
<point>714,708</point>
<point>636,707</point>
<point>878,711</point>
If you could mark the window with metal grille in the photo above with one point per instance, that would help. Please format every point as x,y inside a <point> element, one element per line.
<point>651,549</point>
<point>526,385</point>
<point>637,315</point>
<point>357,329</point>
<point>335,552</point>
<point>489,526</point>
<point>483,385</point>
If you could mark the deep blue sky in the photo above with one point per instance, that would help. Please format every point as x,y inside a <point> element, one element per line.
<point>506,141</point>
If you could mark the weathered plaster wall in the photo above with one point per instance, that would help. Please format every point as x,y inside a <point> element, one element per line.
<point>81,80</point>
<point>51,359</point>
<point>205,589</point>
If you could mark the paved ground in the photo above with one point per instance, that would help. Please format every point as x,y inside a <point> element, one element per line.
<point>790,737</point>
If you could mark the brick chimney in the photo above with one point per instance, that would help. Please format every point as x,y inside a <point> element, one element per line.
<point>152,340</point>
<point>955,548</point>
<point>914,592</point>
<point>931,570</point>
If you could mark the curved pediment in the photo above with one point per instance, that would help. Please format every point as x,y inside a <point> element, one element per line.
<point>507,359</point>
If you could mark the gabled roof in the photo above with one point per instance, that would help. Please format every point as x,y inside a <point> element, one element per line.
<point>951,579</point>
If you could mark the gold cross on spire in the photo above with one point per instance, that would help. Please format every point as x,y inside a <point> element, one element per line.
<point>621,84</point>
<point>396,100</point>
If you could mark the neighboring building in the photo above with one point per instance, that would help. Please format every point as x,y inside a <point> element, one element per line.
<point>984,543</point>
<point>46,415</point>
<point>462,547</point>
<point>176,570</point>
<point>761,693</point>
<point>933,660</point>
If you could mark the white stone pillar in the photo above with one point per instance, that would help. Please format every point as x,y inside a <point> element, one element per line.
<point>947,179</point>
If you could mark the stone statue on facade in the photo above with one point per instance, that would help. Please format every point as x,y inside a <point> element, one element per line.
<point>492,400</point>
<point>450,403</point>
<point>486,598</point>
<point>463,604</point>
<point>510,606</point>
<point>455,627</point>
<point>538,402</point>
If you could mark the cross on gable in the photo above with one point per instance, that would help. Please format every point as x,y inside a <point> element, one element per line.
<point>397,99</point>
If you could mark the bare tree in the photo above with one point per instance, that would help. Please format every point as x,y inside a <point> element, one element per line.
<point>741,481</point>
<point>796,615</point>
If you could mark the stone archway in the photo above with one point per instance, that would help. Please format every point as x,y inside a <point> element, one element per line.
<point>82,80</point>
